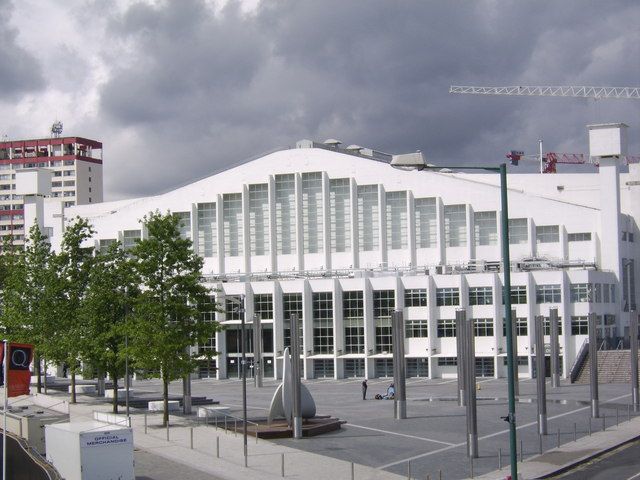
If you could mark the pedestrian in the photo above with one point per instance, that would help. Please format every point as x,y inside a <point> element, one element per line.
<point>364,389</point>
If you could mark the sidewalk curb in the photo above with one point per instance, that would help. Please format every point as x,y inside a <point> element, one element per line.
<point>586,458</point>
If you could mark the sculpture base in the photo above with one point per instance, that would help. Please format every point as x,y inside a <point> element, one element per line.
<point>280,429</point>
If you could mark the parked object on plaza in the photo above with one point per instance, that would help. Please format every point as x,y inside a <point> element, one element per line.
<point>90,450</point>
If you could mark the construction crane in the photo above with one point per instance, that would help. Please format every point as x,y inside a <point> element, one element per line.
<point>549,161</point>
<point>628,93</point>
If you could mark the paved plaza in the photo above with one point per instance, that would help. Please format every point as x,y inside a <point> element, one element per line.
<point>432,439</point>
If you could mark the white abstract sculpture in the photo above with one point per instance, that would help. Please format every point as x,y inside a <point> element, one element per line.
<point>282,401</point>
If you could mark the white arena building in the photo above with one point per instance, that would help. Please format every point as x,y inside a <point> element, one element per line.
<point>341,238</point>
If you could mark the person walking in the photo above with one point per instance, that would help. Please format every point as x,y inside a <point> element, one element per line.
<point>364,389</point>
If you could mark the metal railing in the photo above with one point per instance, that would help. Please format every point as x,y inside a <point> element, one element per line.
<point>579,361</point>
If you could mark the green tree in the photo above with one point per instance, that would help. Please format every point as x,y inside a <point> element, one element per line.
<point>110,290</point>
<point>73,265</point>
<point>166,313</point>
<point>29,286</point>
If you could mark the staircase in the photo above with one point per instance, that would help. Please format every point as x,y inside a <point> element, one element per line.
<point>614,366</point>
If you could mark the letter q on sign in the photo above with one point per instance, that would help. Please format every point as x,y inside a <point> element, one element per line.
<point>20,358</point>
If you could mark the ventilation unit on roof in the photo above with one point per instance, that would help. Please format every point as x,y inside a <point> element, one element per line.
<point>332,142</point>
<point>354,148</point>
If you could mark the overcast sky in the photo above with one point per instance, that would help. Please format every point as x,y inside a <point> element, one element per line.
<point>178,89</point>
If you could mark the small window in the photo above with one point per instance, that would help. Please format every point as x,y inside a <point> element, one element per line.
<point>579,326</point>
<point>483,327</point>
<point>446,328</point>
<point>480,296</point>
<point>447,361</point>
<point>447,296</point>
<point>581,292</point>
<point>417,328</point>
<point>548,294</point>
<point>518,231</point>
<point>579,237</point>
<point>415,297</point>
<point>548,234</point>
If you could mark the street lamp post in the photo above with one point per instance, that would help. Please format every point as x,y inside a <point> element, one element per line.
<point>416,161</point>
<point>243,366</point>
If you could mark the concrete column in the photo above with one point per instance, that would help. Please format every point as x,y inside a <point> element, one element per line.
<point>541,387</point>
<point>295,374</point>
<point>460,350</point>
<point>593,362</point>
<point>633,337</point>
<point>399,373</point>
<point>257,351</point>
<point>555,347</point>
<point>472,419</point>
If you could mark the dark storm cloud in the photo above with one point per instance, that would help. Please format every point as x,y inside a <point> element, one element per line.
<point>20,72</point>
<point>205,89</point>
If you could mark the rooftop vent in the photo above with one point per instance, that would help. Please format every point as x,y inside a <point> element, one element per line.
<point>354,148</point>
<point>332,142</point>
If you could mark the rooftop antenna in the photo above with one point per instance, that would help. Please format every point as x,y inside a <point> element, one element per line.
<point>56,129</point>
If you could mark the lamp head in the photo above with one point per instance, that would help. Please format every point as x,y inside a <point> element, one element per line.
<point>409,161</point>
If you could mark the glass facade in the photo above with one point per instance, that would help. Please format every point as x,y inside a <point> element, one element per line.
<point>383,306</point>
<point>396,220</point>
<point>312,212</point>
<point>323,322</point>
<point>259,219</point>
<point>207,230</point>
<point>292,304</point>
<point>426,222</point>
<point>353,314</point>
<point>340,208</point>
<point>455,225</point>
<point>285,197</point>
<point>368,218</point>
<point>486,228</point>
<point>232,223</point>
<point>184,224</point>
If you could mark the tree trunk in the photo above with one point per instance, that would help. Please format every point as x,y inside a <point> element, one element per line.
<point>100,382</point>
<point>165,398</point>
<point>44,363</point>
<point>38,368</point>
<point>115,392</point>
<point>73,385</point>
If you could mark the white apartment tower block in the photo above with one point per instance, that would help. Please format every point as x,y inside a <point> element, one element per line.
<point>76,165</point>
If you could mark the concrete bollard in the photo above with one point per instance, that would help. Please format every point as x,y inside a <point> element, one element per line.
<point>282,465</point>
<point>540,444</point>
<point>191,438</point>
<point>217,447</point>
<point>500,459</point>
<point>471,466</point>
<point>409,470</point>
<point>628,412</point>
<point>167,431</point>
<point>521,452</point>
<point>353,471</point>
<point>235,427</point>
<point>604,422</point>
<point>145,423</point>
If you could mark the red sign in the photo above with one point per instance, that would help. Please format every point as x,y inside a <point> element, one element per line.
<point>19,375</point>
